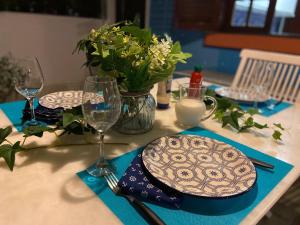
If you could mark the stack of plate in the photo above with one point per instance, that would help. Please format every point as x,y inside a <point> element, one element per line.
<point>52,105</point>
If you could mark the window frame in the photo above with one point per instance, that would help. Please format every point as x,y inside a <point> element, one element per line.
<point>227,27</point>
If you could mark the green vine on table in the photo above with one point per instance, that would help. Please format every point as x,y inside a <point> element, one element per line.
<point>230,114</point>
<point>71,123</point>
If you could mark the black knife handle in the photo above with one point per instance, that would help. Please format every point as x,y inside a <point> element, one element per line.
<point>261,163</point>
<point>146,212</point>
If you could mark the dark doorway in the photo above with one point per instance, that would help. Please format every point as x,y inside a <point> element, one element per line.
<point>131,10</point>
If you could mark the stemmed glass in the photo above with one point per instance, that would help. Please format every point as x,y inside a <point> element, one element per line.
<point>262,80</point>
<point>29,84</point>
<point>101,107</point>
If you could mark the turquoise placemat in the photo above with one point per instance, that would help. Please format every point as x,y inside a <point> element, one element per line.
<point>263,107</point>
<point>194,210</point>
<point>14,112</point>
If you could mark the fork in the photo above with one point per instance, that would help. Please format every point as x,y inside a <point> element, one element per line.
<point>146,212</point>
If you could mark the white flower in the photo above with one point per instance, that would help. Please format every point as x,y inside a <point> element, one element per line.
<point>150,186</point>
<point>132,178</point>
<point>159,52</point>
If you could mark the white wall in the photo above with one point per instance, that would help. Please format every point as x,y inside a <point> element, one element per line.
<point>51,38</point>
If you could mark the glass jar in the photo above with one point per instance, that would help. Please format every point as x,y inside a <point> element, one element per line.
<point>137,113</point>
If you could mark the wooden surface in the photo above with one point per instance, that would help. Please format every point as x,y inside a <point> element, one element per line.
<point>252,41</point>
<point>44,188</point>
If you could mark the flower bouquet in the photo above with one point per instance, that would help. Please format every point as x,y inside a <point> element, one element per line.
<point>137,59</point>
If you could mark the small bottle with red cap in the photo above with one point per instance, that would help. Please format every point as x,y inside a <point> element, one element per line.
<point>196,81</point>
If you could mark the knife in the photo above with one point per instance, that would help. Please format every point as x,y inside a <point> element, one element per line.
<point>261,163</point>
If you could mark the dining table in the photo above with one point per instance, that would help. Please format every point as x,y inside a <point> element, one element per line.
<point>43,187</point>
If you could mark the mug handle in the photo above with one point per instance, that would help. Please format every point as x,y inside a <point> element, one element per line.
<point>211,111</point>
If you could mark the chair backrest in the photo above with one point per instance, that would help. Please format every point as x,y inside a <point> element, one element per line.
<point>285,84</point>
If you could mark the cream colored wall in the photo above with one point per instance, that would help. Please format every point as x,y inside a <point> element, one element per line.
<point>52,39</point>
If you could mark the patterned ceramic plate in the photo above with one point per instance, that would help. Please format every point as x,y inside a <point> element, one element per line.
<point>65,99</point>
<point>199,166</point>
<point>246,96</point>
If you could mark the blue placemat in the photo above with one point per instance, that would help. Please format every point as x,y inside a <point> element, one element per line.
<point>194,210</point>
<point>263,107</point>
<point>14,112</point>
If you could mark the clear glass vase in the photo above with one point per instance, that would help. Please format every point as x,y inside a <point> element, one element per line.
<point>137,113</point>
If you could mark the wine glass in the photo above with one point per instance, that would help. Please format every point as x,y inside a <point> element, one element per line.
<point>29,84</point>
<point>101,107</point>
<point>262,80</point>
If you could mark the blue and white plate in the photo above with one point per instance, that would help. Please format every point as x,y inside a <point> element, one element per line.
<point>199,166</point>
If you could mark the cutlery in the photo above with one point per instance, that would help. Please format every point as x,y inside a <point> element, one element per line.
<point>272,106</point>
<point>261,163</point>
<point>147,213</point>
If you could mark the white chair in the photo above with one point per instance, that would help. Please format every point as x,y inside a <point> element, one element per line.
<point>285,84</point>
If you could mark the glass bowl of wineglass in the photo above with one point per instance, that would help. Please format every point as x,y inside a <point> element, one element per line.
<point>101,107</point>
<point>29,84</point>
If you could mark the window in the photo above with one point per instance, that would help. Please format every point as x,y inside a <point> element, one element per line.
<point>250,15</point>
<point>279,17</point>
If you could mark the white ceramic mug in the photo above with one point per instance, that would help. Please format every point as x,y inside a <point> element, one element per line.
<point>190,108</point>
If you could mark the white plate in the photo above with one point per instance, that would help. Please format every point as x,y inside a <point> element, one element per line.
<point>67,99</point>
<point>244,96</point>
<point>199,166</point>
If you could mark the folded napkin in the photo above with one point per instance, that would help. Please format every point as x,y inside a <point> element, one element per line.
<point>138,182</point>
<point>49,116</point>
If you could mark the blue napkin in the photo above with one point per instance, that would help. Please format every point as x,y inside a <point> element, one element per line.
<point>49,116</point>
<point>138,182</point>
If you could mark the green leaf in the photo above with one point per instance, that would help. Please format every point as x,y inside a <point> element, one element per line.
<point>260,126</point>
<point>69,118</point>
<point>219,114</point>
<point>247,124</point>
<point>4,132</point>
<point>74,128</point>
<point>176,48</point>
<point>224,104</point>
<point>8,153</point>
<point>36,131</point>
<point>276,135</point>
<point>252,111</point>
<point>17,147</point>
<point>143,35</point>
<point>278,125</point>
<point>232,119</point>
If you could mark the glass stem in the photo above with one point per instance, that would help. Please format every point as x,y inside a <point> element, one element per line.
<point>101,162</point>
<point>32,108</point>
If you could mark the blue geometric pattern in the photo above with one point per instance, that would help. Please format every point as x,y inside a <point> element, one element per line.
<point>138,182</point>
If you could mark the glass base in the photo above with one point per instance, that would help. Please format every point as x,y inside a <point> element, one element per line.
<point>99,170</point>
<point>33,123</point>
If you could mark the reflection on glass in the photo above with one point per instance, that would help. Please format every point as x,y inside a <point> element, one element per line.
<point>258,13</point>
<point>239,15</point>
